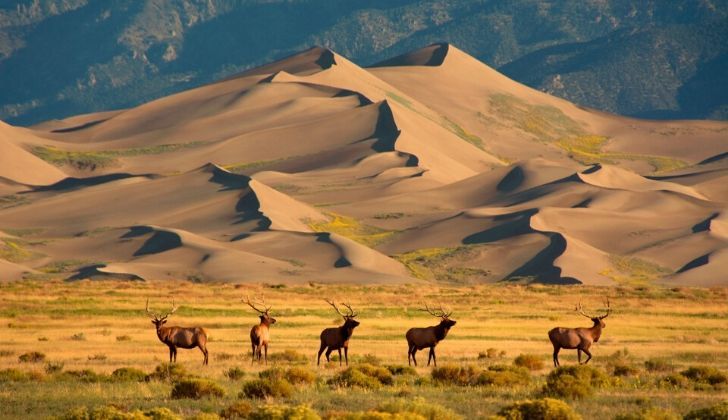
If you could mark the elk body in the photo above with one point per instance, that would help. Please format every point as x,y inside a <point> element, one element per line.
<point>580,339</point>
<point>260,334</point>
<point>338,337</point>
<point>178,337</point>
<point>422,338</point>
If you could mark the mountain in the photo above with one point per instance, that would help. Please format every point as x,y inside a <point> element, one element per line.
<point>651,59</point>
<point>427,166</point>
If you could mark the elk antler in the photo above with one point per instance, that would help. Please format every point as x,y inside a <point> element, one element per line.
<point>609,309</point>
<point>150,313</point>
<point>335,307</point>
<point>580,310</point>
<point>439,313</point>
<point>156,316</point>
<point>174,309</point>
<point>351,311</point>
<point>262,301</point>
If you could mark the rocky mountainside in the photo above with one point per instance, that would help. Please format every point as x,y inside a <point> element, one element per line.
<point>642,58</point>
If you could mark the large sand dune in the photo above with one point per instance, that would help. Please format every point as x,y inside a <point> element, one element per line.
<point>430,166</point>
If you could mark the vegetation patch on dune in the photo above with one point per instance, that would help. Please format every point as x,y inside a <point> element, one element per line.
<point>626,269</point>
<point>247,166</point>
<point>103,158</point>
<point>13,200</point>
<point>351,228</point>
<point>442,263</point>
<point>16,251</point>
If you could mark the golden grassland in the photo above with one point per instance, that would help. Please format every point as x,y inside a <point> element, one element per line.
<point>102,326</point>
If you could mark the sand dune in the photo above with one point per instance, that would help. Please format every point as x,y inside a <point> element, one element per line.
<point>430,166</point>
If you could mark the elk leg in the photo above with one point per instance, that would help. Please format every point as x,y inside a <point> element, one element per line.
<point>321,350</point>
<point>434,359</point>
<point>204,352</point>
<point>578,352</point>
<point>409,355</point>
<point>328,352</point>
<point>414,350</point>
<point>588,356</point>
<point>341,358</point>
<point>346,355</point>
<point>171,353</point>
<point>266,353</point>
<point>556,356</point>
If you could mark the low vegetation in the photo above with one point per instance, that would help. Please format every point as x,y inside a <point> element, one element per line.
<point>90,160</point>
<point>574,382</point>
<point>351,228</point>
<point>544,408</point>
<point>196,389</point>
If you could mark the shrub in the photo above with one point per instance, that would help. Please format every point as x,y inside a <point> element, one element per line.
<point>529,361</point>
<point>651,413</point>
<point>673,380</point>
<point>290,356</point>
<point>659,365</point>
<point>53,367</point>
<point>371,359</point>
<point>235,373</point>
<point>123,338</point>
<point>224,356</point>
<point>491,353</point>
<point>283,412</point>
<point>502,375</point>
<point>196,389</point>
<point>705,374</point>
<point>238,410</point>
<point>97,356</point>
<point>78,337</point>
<point>574,381</point>
<point>623,369</point>
<point>363,376</point>
<point>161,413</point>
<point>6,353</point>
<point>716,412</point>
<point>31,357</point>
<point>300,375</point>
<point>419,407</point>
<point>128,374</point>
<point>545,408</point>
<point>398,370</point>
<point>455,375</point>
<point>264,388</point>
<point>84,375</point>
<point>204,416</point>
<point>168,371</point>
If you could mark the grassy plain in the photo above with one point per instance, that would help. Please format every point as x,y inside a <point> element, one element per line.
<point>101,326</point>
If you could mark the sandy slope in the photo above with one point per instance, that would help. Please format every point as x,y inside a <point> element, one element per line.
<point>315,169</point>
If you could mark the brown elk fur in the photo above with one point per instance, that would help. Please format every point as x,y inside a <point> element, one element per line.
<point>580,339</point>
<point>260,334</point>
<point>422,338</point>
<point>179,337</point>
<point>338,337</point>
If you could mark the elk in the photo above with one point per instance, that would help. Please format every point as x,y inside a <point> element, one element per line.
<point>260,334</point>
<point>422,338</point>
<point>338,337</point>
<point>578,338</point>
<point>182,337</point>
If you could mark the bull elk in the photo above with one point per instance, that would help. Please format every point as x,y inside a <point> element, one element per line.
<point>578,338</point>
<point>182,337</point>
<point>260,334</point>
<point>337,337</point>
<point>422,338</point>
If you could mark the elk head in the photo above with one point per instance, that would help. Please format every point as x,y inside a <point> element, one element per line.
<point>597,320</point>
<point>445,321</point>
<point>349,321</point>
<point>157,319</point>
<point>264,316</point>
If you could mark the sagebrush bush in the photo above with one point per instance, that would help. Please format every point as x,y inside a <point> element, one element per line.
<point>491,353</point>
<point>235,373</point>
<point>283,412</point>
<point>237,410</point>
<point>196,389</point>
<point>168,371</point>
<point>529,361</point>
<point>659,365</point>
<point>417,406</point>
<point>455,375</point>
<point>31,357</point>
<point>83,375</point>
<point>705,374</point>
<point>363,376</point>
<point>161,413</point>
<point>398,370</point>
<point>623,369</point>
<point>651,413</point>
<point>123,338</point>
<point>265,388</point>
<point>113,413</point>
<point>53,367</point>
<point>128,374</point>
<point>574,381</point>
<point>673,380</point>
<point>290,356</point>
<point>716,412</point>
<point>300,375</point>
<point>541,409</point>
<point>15,375</point>
<point>504,376</point>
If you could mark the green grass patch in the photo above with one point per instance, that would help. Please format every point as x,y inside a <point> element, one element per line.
<point>633,270</point>
<point>353,229</point>
<point>247,166</point>
<point>15,250</point>
<point>459,131</point>
<point>439,264</point>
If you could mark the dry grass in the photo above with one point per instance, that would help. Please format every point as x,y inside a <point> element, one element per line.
<point>685,326</point>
